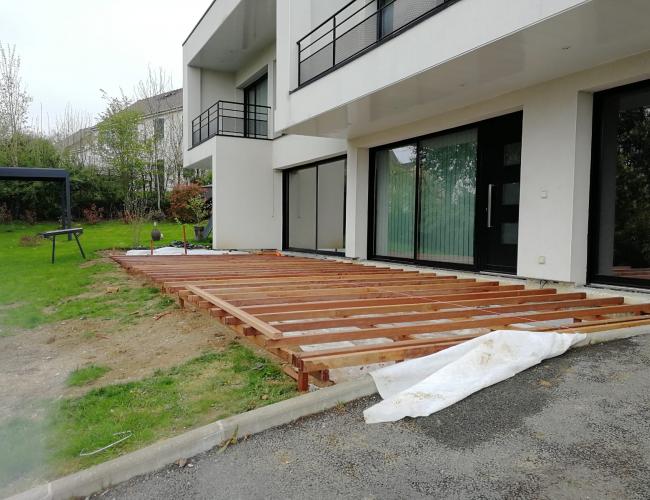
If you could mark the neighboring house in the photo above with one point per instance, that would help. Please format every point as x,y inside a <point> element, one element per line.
<point>81,145</point>
<point>162,118</point>
<point>507,136</point>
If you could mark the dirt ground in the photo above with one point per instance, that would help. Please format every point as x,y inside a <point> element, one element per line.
<point>34,364</point>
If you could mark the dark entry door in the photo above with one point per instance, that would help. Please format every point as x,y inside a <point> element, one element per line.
<point>499,181</point>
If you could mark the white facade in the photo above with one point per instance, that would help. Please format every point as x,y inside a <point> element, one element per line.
<point>471,61</point>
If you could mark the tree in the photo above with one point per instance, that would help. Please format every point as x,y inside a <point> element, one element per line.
<point>155,84</point>
<point>173,150</point>
<point>74,137</point>
<point>120,146</point>
<point>14,101</point>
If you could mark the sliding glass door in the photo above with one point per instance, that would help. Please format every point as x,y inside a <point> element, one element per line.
<point>301,209</point>
<point>424,199</point>
<point>314,213</point>
<point>620,216</point>
<point>395,201</point>
<point>447,197</point>
<point>450,199</point>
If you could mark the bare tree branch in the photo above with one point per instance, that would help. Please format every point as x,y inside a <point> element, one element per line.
<point>14,99</point>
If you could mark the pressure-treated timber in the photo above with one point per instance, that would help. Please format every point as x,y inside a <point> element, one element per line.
<point>284,303</point>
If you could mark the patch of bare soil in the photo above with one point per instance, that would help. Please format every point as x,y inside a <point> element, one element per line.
<point>34,364</point>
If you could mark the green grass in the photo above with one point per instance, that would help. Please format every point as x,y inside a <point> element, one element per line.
<point>86,375</point>
<point>212,386</point>
<point>35,292</point>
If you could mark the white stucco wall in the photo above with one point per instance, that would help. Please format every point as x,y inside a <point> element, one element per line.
<point>296,150</point>
<point>216,86</point>
<point>247,195</point>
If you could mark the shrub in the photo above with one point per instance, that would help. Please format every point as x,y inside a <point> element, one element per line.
<point>180,198</point>
<point>93,215</point>
<point>157,215</point>
<point>198,209</point>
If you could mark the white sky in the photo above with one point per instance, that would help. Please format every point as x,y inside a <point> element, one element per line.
<point>72,48</point>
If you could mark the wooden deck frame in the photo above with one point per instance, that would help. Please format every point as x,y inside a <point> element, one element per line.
<point>283,303</point>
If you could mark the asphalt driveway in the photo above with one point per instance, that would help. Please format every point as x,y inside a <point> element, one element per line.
<point>577,426</point>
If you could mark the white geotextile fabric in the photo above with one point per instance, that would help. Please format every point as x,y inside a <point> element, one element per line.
<point>181,251</point>
<point>422,386</point>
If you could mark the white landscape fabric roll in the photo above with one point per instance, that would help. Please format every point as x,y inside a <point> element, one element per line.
<point>422,386</point>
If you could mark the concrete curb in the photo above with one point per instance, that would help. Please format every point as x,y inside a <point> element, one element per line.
<point>163,453</point>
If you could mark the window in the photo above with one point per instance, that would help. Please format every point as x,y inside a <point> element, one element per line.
<point>159,129</point>
<point>315,208</point>
<point>256,99</point>
<point>620,225</point>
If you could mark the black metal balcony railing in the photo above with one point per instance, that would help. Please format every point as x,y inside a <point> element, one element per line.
<point>234,119</point>
<point>355,28</point>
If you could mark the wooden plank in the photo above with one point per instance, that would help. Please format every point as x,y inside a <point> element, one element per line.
<point>502,299</point>
<point>247,318</point>
<point>462,312</point>
<point>418,299</point>
<point>491,323</point>
<point>371,357</point>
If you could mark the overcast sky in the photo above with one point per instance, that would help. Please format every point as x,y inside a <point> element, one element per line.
<point>72,48</point>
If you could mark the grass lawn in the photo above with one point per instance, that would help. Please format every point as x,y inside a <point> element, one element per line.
<point>213,383</point>
<point>34,291</point>
<point>212,386</point>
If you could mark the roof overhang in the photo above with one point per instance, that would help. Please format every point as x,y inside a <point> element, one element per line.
<point>595,33</point>
<point>230,33</point>
<point>33,174</point>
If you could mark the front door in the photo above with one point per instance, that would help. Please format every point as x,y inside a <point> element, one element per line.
<point>498,197</point>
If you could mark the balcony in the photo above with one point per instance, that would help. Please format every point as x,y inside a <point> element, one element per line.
<point>233,119</point>
<point>356,28</point>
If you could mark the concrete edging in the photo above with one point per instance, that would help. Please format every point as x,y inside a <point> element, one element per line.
<point>191,443</point>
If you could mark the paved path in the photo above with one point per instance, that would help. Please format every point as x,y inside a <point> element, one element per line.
<point>577,426</point>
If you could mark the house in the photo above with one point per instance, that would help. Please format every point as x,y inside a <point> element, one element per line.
<point>162,120</point>
<point>501,136</point>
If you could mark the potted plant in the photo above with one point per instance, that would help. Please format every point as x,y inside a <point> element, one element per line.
<point>197,206</point>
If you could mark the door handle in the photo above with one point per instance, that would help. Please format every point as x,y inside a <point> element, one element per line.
<point>489,206</point>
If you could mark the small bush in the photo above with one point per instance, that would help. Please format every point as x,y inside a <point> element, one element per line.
<point>180,199</point>
<point>28,240</point>
<point>93,215</point>
<point>157,215</point>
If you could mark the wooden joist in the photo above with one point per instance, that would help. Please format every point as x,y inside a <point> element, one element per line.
<point>383,314</point>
